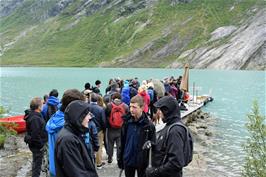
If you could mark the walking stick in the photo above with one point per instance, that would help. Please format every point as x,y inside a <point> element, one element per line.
<point>149,157</point>
<point>147,146</point>
<point>120,173</point>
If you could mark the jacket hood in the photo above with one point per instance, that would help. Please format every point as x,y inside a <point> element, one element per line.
<point>74,115</point>
<point>169,107</point>
<point>29,113</point>
<point>143,93</point>
<point>52,100</point>
<point>117,101</point>
<point>56,122</point>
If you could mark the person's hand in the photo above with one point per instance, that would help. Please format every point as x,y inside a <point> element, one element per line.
<point>146,145</point>
<point>152,172</point>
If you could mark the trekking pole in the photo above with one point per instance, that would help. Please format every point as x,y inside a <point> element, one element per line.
<point>149,158</point>
<point>147,146</point>
<point>120,173</point>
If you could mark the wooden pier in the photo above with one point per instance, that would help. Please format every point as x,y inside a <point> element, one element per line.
<point>192,106</point>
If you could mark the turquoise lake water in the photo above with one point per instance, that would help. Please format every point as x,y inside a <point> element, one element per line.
<point>233,93</point>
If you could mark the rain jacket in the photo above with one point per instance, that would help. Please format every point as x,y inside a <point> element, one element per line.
<point>99,119</point>
<point>71,154</point>
<point>133,136</point>
<point>125,93</point>
<point>53,126</point>
<point>146,99</point>
<point>172,150</point>
<point>35,126</point>
<point>52,100</point>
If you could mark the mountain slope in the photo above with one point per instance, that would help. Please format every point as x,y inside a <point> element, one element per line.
<point>126,33</point>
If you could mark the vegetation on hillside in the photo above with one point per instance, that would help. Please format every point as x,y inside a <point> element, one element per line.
<point>255,146</point>
<point>66,40</point>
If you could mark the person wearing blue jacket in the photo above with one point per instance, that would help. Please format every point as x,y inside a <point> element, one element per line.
<point>136,131</point>
<point>56,123</point>
<point>51,106</point>
<point>125,93</point>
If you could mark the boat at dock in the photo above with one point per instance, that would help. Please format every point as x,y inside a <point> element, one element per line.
<point>16,123</point>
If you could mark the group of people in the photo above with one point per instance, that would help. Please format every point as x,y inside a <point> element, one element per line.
<point>75,130</point>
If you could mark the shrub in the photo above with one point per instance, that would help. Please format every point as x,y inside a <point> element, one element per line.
<point>255,147</point>
<point>4,131</point>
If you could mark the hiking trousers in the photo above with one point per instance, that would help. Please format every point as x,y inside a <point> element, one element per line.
<point>130,171</point>
<point>113,136</point>
<point>100,151</point>
<point>37,157</point>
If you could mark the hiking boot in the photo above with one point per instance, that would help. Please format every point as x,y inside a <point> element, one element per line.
<point>100,166</point>
<point>110,161</point>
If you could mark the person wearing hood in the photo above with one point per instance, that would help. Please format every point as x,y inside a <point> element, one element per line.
<point>36,136</point>
<point>125,93</point>
<point>71,154</point>
<point>168,153</point>
<point>51,105</point>
<point>56,123</point>
<point>136,131</point>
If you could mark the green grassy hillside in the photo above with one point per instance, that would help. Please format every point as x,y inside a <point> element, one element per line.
<point>65,40</point>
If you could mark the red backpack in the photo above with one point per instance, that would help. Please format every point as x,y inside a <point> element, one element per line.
<point>116,119</point>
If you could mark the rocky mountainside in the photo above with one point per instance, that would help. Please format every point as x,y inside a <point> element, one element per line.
<point>245,47</point>
<point>225,34</point>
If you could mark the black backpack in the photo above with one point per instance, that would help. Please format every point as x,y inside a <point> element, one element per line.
<point>188,144</point>
<point>51,109</point>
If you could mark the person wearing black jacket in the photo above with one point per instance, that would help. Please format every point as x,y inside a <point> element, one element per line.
<point>71,154</point>
<point>168,156</point>
<point>136,130</point>
<point>36,135</point>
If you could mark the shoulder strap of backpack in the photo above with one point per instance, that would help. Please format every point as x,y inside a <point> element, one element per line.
<point>174,124</point>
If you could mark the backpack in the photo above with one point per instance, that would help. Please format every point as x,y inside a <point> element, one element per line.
<point>51,109</point>
<point>116,119</point>
<point>188,144</point>
<point>151,94</point>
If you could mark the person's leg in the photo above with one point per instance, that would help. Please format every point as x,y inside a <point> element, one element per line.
<point>100,151</point>
<point>110,137</point>
<point>141,172</point>
<point>129,172</point>
<point>118,143</point>
<point>37,156</point>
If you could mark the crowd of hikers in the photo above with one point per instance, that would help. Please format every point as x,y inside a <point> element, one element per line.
<point>69,135</point>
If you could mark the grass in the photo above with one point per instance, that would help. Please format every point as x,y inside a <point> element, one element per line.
<point>106,35</point>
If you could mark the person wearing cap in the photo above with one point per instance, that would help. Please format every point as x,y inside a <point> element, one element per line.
<point>71,155</point>
<point>167,155</point>
<point>136,131</point>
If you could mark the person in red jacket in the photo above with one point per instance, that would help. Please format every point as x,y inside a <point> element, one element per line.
<point>142,91</point>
